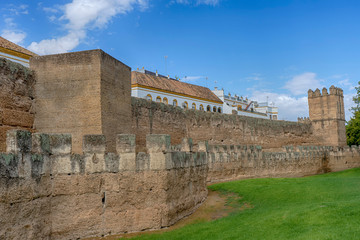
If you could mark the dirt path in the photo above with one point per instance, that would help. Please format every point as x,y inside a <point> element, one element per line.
<point>215,206</point>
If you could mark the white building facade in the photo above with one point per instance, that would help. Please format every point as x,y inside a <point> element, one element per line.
<point>162,93</point>
<point>245,107</point>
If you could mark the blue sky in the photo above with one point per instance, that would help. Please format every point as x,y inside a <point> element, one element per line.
<point>254,48</point>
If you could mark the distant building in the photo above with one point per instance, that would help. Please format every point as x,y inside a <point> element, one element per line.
<point>246,107</point>
<point>14,52</point>
<point>162,89</point>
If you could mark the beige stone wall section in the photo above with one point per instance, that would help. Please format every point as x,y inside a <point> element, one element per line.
<point>82,93</point>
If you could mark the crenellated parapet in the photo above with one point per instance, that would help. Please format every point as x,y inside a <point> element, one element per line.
<point>324,92</point>
<point>28,154</point>
<point>303,119</point>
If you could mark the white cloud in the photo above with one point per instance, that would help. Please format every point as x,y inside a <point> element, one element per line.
<point>345,83</point>
<point>300,84</point>
<point>290,108</point>
<point>80,16</point>
<point>58,45</point>
<point>254,77</point>
<point>348,103</point>
<point>11,33</point>
<point>192,78</point>
<point>51,10</point>
<point>196,2</point>
<point>16,37</point>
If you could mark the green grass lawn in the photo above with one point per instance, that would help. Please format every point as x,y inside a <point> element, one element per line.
<point>319,207</point>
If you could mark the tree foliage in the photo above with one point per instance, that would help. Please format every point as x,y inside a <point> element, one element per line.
<point>353,126</point>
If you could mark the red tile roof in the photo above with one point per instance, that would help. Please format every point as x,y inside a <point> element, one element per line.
<point>172,85</point>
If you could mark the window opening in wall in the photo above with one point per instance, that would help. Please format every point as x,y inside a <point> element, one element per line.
<point>193,106</point>
<point>148,97</point>
<point>219,110</point>
<point>185,105</point>
<point>208,108</point>
<point>214,109</point>
<point>201,107</point>
<point>158,99</point>
<point>165,100</point>
<point>239,108</point>
<point>174,102</point>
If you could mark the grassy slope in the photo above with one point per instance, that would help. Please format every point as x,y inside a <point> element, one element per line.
<point>318,207</point>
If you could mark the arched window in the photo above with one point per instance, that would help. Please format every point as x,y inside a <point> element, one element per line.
<point>239,108</point>
<point>165,100</point>
<point>158,99</point>
<point>208,108</point>
<point>201,107</point>
<point>148,97</point>
<point>185,105</point>
<point>214,109</point>
<point>174,102</point>
<point>219,109</point>
<point>193,106</point>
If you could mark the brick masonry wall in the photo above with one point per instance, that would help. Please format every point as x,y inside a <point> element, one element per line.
<point>82,93</point>
<point>157,118</point>
<point>16,98</point>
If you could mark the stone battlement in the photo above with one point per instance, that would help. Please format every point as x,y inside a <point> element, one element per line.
<point>333,91</point>
<point>52,154</point>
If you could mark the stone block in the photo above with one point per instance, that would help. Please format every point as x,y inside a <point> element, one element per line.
<point>94,162</point>
<point>18,141</point>
<point>142,161</point>
<point>94,144</point>
<point>187,145</point>
<point>17,118</point>
<point>158,142</point>
<point>112,162</point>
<point>203,146</point>
<point>54,144</point>
<point>125,143</point>
<point>61,164</point>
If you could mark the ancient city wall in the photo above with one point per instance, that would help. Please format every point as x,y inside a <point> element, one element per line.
<point>16,98</point>
<point>243,161</point>
<point>157,118</point>
<point>48,192</point>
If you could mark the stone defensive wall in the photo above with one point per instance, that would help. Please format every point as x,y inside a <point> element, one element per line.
<point>47,192</point>
<point>229,162</point>
<point>16,98</point>
<point>129,164</point>
<point>216,128</point>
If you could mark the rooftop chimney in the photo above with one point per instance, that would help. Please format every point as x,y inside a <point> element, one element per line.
<point>157,73</point>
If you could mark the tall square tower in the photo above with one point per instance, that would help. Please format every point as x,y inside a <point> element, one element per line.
<point>327,114</point>
<point>81,93</point>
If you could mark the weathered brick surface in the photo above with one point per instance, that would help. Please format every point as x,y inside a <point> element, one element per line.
<point>157,118</point>
<point>82,93</point>
<point>16,98</point>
